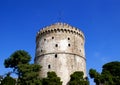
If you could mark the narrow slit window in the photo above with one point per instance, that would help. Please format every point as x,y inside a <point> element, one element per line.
<point>55,55</point>
<point>69,45</point>
<point>56,45</point>
<point>41,50</point>
<point>49,66</point>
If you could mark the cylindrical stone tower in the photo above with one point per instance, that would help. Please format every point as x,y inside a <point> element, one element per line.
<point>60,48</point>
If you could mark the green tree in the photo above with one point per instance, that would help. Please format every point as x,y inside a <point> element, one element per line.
<point>27,73</point>
<point>77,79</point>
<point>1,78</point>
<point>8,81</point>
<point>110,74</point>
<point>51,79</point>
<point>17,58</point>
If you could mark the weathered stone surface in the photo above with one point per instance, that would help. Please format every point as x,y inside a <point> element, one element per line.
<point>60,48</point>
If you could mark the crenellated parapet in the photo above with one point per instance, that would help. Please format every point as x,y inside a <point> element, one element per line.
<point>60,27</point>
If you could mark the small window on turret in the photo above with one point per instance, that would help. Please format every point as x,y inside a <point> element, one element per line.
<point>41,50</point>
<point>68,38</point>
<point>69,45</point>
<point>56,45</point>
<point>44,39</point>
<point>52,37</point>
<point>55,55</point>
<point>49,66</point>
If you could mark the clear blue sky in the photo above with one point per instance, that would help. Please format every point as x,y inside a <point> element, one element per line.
<point>98,19</point>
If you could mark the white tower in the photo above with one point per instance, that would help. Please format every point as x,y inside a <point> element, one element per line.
<point>60,48</point>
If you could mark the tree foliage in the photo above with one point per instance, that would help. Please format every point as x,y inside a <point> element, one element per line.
<point>110,74</point>
<point>8,81</point>
<point>1,78</point>
<point>17,58</point>
<point>77,79</point>
<point>27,73</point>
<point>113,68</point>
<point>51,79</point>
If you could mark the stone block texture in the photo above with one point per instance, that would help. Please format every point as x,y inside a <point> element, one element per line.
<point>60,48</point>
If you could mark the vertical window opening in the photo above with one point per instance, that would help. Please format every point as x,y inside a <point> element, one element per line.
<point>49,66</point>
<point>56,45</point>
<point>44,39</point>
<point>68,38</point>
<point>41,50</point>
<point>69,45</point>
<point>55,55</point>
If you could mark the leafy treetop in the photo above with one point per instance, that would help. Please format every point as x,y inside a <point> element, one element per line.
<point>110,74</point>
<point>77,79</point>
<point>51,79</point>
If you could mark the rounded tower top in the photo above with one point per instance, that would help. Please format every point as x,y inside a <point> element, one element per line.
<point>60,27</point>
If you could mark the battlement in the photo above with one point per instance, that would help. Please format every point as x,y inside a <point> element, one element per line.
<point>60,27</point>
